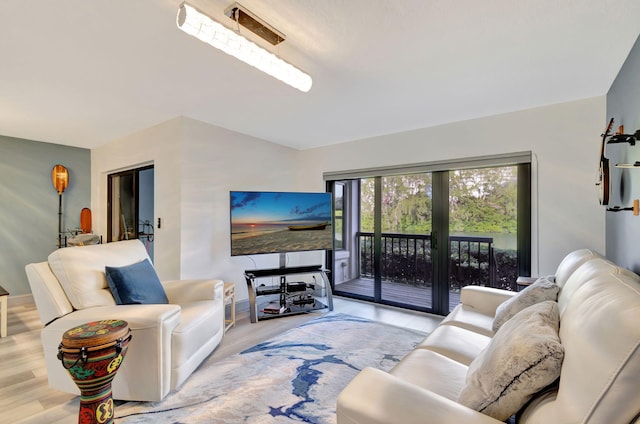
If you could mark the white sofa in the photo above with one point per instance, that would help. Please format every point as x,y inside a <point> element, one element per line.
<point>169,340</point>
<point>599,329</point>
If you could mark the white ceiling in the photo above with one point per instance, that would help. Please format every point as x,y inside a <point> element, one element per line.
<point>83,73</point>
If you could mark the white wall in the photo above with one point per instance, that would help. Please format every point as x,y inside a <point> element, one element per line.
<point>217,161</point>
<point>195,167</point>
<point>197,164</point>
<point>564,139</point>
<point>159,145</point>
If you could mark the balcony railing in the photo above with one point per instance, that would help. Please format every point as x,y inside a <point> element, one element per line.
<point>407,258</point>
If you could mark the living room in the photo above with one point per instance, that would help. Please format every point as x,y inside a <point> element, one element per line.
<point>197,163</point>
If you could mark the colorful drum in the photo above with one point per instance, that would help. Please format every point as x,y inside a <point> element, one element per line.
<point>92,354</point>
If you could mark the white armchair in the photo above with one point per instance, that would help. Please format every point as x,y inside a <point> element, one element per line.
<point>169,340</point>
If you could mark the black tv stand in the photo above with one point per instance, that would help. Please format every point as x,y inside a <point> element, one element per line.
<point>268,300</point>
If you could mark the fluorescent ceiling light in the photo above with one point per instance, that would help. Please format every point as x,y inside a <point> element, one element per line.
<point>196,23</point>
<point>242,16</point>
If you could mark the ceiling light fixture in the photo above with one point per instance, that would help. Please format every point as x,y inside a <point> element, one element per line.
<point>242,16</point>
<point>204,28</point>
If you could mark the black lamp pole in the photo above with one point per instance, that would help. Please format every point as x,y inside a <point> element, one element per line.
<point>59,220</point>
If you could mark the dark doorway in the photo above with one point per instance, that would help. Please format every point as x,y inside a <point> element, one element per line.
<point>130,206</point>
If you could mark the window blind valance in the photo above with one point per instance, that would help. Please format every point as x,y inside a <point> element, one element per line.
<point>505,159</point>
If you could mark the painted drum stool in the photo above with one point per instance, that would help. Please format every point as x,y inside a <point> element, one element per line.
<point>92,354</point>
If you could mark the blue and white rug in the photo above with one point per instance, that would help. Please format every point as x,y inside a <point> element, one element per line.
<point>295,377</point>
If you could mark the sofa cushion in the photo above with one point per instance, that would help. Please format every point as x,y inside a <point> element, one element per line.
<point>456,343</point>
<point>601,368</point>
<point>586,272</point>
<point>432,371</point>
<point>134,284</point>
<point>571,262</point>
<point>80,270</point>
<point>469,318</point>
<point>542,289</point>
<point>524,357</point>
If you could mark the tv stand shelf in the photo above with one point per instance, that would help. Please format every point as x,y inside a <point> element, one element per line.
<point>268,300</point>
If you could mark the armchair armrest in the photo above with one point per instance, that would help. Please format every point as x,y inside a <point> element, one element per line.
<point>484,299</point>
<point>138,316</point>
<point>184,291</point>
<point>377,397</point>
<point>146,372</point>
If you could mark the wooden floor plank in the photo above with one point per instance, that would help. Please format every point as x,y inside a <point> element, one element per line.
<point>397,292</point>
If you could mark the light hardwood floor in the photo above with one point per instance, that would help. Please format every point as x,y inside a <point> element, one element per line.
<point>25,396</point>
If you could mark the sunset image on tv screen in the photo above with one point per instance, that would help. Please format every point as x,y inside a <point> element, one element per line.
<point>275,222</point>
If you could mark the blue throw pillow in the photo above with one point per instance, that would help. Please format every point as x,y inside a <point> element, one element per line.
<point>135,284</point>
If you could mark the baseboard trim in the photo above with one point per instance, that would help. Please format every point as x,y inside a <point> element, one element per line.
<point>242,305</point>
<point>20,300</point>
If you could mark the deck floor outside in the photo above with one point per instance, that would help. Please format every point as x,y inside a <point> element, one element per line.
<point>396,292</point>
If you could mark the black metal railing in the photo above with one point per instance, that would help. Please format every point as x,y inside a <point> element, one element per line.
<point>404,257</point>
<point>407,258</point>
<point>471,261</point>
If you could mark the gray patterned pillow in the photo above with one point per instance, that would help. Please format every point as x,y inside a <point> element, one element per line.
<point>542,289</point>
<point>523,357</point>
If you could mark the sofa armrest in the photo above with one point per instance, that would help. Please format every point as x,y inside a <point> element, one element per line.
<point>484,299</point>
<point>138,316</point>
<point>377,397</point>
<point>146,372</point>
<point>184,291</point>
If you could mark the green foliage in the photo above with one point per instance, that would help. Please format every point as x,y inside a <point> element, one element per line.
<point>480,200</point>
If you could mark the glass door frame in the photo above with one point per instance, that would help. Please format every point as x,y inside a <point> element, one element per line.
<point>134,173</point>
<point>440,214</point>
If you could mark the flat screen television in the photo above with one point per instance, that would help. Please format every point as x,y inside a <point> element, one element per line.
<point>279,222</point>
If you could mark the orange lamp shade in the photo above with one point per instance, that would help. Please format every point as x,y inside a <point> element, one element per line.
<point>60,178</point>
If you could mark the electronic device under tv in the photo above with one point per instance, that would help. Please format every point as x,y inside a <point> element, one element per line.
<point>280,222</point>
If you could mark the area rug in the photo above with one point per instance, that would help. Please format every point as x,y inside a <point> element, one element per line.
<point>294,377</point>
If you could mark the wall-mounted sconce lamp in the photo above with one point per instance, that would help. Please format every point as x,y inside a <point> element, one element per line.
<point>60,180</point>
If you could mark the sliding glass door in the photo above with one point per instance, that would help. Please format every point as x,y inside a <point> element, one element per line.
<point>489,213</point>
<point>395,228</point>
<point>414,240</point>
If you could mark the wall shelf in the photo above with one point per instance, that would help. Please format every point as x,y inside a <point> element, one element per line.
<point>635,208</point>
<point>624,138</point>
<point>628,165</point>
<point>620,137</point>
